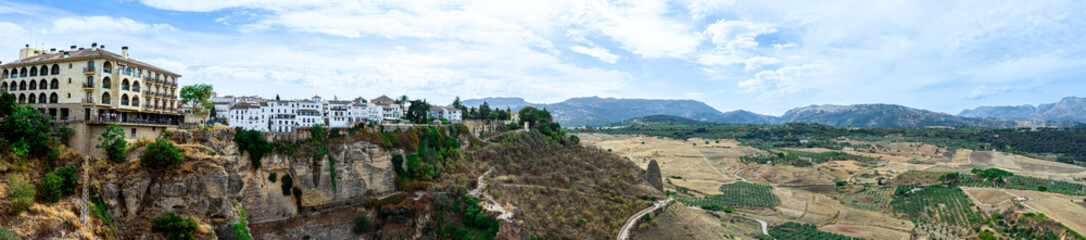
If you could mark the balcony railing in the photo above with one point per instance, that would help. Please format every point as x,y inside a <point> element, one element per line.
<point>107,70</point>
<point>124,103</point>
<point>105,101</point>
<point>88,70</point>
<point>107,85</point>
<point>33,74</point>
<point>136,89</point>
<point>124,87</point>
<point>88,100</point>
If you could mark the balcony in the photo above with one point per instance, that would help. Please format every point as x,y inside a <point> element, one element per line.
<point>107,70</point>
<point>89,85</point>
<point>136,89</point>
<point>88,101</point>
<point>88,70</point>
<point>123,87</point>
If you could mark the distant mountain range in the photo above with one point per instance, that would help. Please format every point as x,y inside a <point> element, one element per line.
<point>594,111</point>
<point>1067,109</point>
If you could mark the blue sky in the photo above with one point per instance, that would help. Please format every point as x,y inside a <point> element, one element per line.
<point>763,56</point>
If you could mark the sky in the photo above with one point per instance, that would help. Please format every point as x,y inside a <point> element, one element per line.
<point>765,56</point>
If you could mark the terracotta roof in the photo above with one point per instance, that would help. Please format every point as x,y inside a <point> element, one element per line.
<point>240,106</point>
<point>92,53</point>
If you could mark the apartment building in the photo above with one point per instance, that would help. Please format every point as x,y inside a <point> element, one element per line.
<point>253,113</point>
<point>89,88</point>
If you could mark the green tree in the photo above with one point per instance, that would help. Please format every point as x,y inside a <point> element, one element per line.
<point>197,96</point>
<point>21,194</point>
<point>361,225</point>
<point>418,111</point>
<point>28,129</point>
<point>161,154</point>
<point>254,142</point>
<point>112,141</point>
<point>175,227</point>
<point>456,103</point>
<point>277,97</point>
<point>7,104</point>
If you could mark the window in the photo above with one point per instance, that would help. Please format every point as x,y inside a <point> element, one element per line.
<point>133,132</point>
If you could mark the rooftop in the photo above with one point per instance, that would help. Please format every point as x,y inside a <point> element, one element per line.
<point>91,53</point>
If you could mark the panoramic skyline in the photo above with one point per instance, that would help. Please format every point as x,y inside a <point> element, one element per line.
<point>763,56</point>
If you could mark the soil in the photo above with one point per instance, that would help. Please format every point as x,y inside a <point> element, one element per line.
<point>679,222</point>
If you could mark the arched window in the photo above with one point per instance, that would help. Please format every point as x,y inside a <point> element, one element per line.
<point>54,84</point>
<point>33,85</point>
<point>22,73</point>
<point>124,100</point>
<point>33,99</point>
<point>135,101</point>
<point>55,69</point>
<point>44,70</point>
<point>5,73</point>
<point>135,86</point>
<point>22,98</point>
<point>41,98</point>
<point>106,83</point>
<point>53,98</point>
<point>107,67</point>
<point>4,86</point>
<point>33,71</point>
<point>43,85</point>
<point>124,84</point>
<point>105,98</point>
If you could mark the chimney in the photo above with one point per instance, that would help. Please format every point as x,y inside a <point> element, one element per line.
<point>73,47</point>
<point>52,50</point>
<point>102,47</point>
<point>65,54</point>
<point>124,52</point>
<point>94,45</point>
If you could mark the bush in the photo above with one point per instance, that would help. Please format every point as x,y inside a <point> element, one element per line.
<point>841,183</point>
<point>161,154</point>
<point>241,228</point>
<point>361,225</point>
<point>70,179</point>
<point>175,227</point>
<point>6,234</point>
<point>253,141</point>
<point>1042,188</point>
<point>50,188</point>
<point>285,184</point>
<point>297,194</point>
<point>272,177</point>
<point>112,141</point>
<point>20,193</point>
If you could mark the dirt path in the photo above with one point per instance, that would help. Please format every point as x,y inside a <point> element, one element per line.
<point>630,223</point>
<point>490,204</point>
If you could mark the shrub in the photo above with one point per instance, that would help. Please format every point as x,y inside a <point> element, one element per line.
<point>6,234</point>
<point>20,193</point>
<point>397,163</point>
<point>272,177</point>
<point>175,227</point>
<point>841,183</point>
<point>361,225</point>
<point>1042,188</point>
<point>50,188</point>
<point>241,228</point>
<point>285,184</point>
<point>70,179</point>
<point>297,194</point>
<point>253,141</point>
<point>161,154</point>
<point>112,141</point>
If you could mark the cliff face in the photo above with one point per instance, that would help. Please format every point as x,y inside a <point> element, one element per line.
<point>215,175</point>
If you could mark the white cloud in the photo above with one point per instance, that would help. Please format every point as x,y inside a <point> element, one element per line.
<point>642,27</point>
<point>776,84</point>
<point>602,53</point>
<point>105,23</point>
<point>756,63</point>
<point>737,34</point>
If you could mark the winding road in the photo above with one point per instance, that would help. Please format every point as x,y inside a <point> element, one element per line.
<point>630,223</point>
<point>490,204</point>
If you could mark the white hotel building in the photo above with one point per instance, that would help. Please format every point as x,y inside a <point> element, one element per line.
<point>252,113</point>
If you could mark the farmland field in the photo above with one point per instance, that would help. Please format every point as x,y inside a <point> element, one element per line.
<point>874,199</point>
<point>1031,183</point>
<point>937,205</point>
<point>741,194</point>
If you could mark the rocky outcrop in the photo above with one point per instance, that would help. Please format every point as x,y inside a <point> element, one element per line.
<point>652,175</point>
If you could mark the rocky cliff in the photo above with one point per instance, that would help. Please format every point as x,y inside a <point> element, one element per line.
<point>215,175</point>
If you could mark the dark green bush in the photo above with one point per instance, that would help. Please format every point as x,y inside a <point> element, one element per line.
<point>50,188</point>
<point>253,142</point>
<point>161,154</point>
<point>361,225</point>
<point>70,176</point>
<point>175,227</point>
<point>285,184</point>
<point>272,177</point>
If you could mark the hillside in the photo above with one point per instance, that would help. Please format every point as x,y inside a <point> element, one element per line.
<point>1067,109</point>
<point>889,115</point>
<point>595,111</point>
<point>746,117</point>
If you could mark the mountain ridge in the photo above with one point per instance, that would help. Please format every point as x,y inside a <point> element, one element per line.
<point>596,111</point>
<point>1067,109</point>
